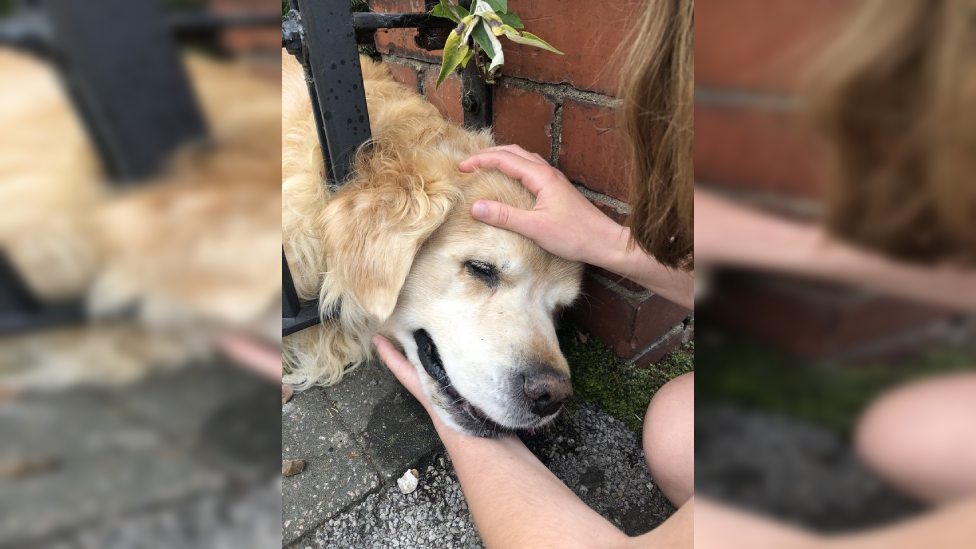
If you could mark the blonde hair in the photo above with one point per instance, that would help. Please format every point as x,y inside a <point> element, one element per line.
<point>894,97</point>
<point>658,120</point>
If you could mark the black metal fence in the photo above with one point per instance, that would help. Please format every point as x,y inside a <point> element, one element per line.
<point>120,63</point>
<point>323,35</point>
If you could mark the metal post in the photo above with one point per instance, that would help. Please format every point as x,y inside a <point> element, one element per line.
<point>476,95</point>
<point>127,81</point>
<point>333,65</point>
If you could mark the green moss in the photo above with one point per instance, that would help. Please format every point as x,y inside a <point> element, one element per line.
<point>833,396</point>
<point>606,381</point>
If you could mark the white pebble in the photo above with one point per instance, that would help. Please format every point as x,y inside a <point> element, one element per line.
<point>408,482</point>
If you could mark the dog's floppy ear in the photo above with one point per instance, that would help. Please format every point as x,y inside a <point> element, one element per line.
<point>374,226</point>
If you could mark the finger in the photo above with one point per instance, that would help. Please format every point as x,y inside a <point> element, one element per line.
<point>254,356</point>
<point>517,150</point>
<point>533,175</point>
<point>503,216</point>
<point>397,363</point>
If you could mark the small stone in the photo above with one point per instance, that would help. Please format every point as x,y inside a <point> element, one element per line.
<point>19,468</point>
<point>408,482</point>
<point>291,467</point>
<point>286,393</point>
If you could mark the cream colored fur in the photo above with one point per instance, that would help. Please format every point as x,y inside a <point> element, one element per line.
<point>385,253</point>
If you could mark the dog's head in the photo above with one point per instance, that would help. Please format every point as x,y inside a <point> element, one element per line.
<point>472,305</point>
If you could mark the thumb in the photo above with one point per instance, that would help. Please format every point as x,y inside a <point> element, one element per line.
<point>501,215</point>
<point>397,363</point>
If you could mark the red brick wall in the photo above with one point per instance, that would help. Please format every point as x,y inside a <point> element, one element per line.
<point>562,108</point>
<point>258,47</point>
<point>250,40</point>
<point>751,59</point>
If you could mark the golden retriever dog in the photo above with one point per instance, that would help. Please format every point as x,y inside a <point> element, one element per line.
<point>192,252</point>
<point>395,251</point>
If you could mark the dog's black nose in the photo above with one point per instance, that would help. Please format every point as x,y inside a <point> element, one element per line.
<point>547,392</point>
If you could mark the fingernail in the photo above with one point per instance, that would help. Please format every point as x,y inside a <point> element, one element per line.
<point>479,210</point>
<point>375,340</point>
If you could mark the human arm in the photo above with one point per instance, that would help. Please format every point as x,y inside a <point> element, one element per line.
<point>514,499</point>
<point>566,224</point>
<point>729,234</point>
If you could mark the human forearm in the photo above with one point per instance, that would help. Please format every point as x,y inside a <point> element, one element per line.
<point>728,234</point>
<point>517,502</point>
<point>629,261</point>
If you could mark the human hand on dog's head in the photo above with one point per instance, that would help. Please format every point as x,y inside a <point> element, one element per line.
<point>563,221</point>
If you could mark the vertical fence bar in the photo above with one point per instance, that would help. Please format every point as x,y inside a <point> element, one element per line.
<point>127,81</point>
<point>476,95</point>
<point>330,57</point>
<point>290,305</point>
<point>333,62</point>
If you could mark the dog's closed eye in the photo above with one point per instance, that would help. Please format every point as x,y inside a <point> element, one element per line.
<point>485,272</point>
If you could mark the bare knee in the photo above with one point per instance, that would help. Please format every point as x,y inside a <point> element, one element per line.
<point>669,439</point>
<point>919,437</point>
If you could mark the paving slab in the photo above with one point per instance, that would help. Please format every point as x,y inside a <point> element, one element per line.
<point>92,461</point>
<point>337,472</point>
<point>222,414</point>
<point>385,418</point>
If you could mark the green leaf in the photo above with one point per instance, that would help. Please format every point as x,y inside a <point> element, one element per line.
<point>480,36</point>
<point>447,10</point>
<point>441,11</point>
<point>497,5</point>
<point>499,59</point>
<point>530,39</point>
<point>500,29</point>
<point>469,23</point>
<point>454,52</point>
<point>511,20</point>
<point>467,57</point>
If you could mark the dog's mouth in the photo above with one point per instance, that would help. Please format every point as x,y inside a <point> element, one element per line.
<point>468,416</point>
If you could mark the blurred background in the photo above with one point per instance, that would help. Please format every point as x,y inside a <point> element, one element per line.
<point>803,109</point>
<point>139,229</point>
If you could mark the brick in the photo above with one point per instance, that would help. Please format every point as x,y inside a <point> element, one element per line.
<point>587,32</point>
<point>812,321</point>
<point>758,150</point>
<point>758,44</point>
<point>447,98</point>
<point>243,40</point>
<point>524,118</point>
<point>591,152</point>
<point>401,41</point>
<point>629,285</point>
<point>404,74</point>
<point>655,316</point>
<point>660,348</point>
<point>625,321</point>
<point>610,211</point>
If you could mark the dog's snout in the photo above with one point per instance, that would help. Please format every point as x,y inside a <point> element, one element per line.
<point>547,391</point>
